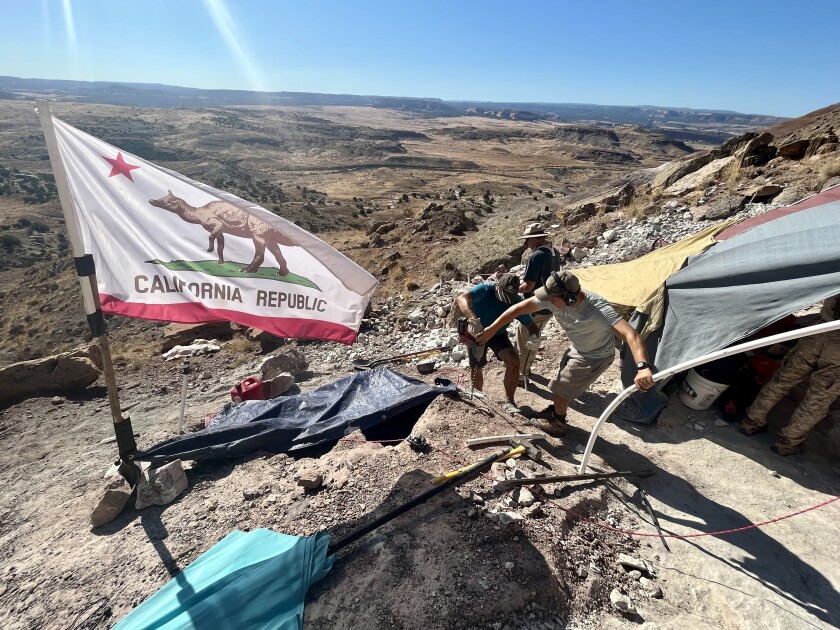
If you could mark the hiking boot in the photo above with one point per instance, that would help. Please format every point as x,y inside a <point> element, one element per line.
<point>784,447</point>
<point>549,421</point>
<point>751,427</point>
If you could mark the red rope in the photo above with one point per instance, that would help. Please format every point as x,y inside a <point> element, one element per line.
<point>630,532</point>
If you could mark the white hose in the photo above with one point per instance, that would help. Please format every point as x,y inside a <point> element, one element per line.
<point>712,356</point>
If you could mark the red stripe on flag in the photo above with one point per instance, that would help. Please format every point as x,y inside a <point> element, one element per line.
<point>195,313</point>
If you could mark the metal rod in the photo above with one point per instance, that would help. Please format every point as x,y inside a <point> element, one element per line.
<point>536,481</point>
<point>471,472</point>
<point>185,370</point>
<point>652,515</point>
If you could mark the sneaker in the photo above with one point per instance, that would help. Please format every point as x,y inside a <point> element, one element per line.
<point>511,408</point>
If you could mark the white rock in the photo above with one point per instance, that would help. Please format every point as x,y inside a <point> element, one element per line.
<point>160,486</point>
<point>621,602</point>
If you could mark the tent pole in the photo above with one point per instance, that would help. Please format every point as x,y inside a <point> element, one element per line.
<point>86,271</point>
<point>706,358</point>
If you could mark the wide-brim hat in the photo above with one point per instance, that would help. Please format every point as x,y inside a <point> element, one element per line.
<point>533,230</point>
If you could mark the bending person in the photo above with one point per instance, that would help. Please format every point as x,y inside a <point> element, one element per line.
<point>482,305</point>
<point>816,358</point>
<point>592,326</point>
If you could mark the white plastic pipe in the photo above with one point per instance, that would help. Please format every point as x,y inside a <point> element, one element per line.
<point>712,356</point>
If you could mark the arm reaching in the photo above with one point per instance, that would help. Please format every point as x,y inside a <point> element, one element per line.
<point>644,377</point>
<point>526,307</point>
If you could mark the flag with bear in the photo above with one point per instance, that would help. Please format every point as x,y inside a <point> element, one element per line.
<point>169,248</point>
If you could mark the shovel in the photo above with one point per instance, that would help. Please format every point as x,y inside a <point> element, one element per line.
<point>366,364</point>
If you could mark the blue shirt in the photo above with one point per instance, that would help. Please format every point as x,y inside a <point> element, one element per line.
<point>488,307</point>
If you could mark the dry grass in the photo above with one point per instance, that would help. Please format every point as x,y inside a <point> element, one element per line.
<point>829,169</point>
<point>240,345</point>
<point>411,285</point>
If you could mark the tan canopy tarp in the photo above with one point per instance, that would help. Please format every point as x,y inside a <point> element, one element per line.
<point>637,285</point>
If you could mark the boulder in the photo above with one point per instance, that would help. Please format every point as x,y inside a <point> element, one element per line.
<point>160,486</point>
<point>761,192</point>
<point>829,147</point>
<point>278,385</point>
<point>697,179</point>
<point>718,209</point>
<point>289,360</point>
<point>834,181</point>
<point>184,334</point>
<point>198,347</point>
<point>793,150</point>
<point>60,372</point>
<point>426,366</point>
<point>113,500</point>
<point>267,341</point>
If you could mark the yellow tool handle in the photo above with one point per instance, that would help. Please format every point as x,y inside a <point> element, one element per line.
<point>454,473</point>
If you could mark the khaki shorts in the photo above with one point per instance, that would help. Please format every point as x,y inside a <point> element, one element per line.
<point>576,374</point>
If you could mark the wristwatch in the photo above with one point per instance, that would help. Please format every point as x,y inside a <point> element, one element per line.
<point>643,365</point>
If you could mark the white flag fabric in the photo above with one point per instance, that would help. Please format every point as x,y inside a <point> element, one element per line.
<point>169,248</point>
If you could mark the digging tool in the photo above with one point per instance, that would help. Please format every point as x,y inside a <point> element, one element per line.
<point>366,364</point>
<point>652,515</point>
<point>532,481</point>
<point>533,451</point>
<point>441,483</point>
<point>519,450</point>
<point>496,439</point>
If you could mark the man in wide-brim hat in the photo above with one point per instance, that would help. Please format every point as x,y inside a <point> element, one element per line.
<point>543,260</point>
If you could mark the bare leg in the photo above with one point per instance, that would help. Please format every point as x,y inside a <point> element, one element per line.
<point>561,405</point>
<point>511,361</point>
<point>478,378</point>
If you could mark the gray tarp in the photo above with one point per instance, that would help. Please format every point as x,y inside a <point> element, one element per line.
<point>756,278</point>
<point>741,285</point>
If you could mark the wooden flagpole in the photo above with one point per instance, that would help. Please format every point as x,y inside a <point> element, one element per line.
<point>86,271</point>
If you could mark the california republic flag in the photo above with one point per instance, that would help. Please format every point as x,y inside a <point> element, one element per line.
<point>170,248</point>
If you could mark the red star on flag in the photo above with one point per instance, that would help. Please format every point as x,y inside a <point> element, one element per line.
<point>120,167</point>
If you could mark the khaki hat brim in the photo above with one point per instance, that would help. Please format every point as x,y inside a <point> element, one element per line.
<point>533,236</point>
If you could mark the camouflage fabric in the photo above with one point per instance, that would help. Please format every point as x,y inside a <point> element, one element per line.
<point>816,357</point>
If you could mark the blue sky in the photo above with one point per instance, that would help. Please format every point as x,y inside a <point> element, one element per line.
<point>770,57</point>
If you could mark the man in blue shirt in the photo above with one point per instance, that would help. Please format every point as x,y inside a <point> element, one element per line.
<point>482,305</point>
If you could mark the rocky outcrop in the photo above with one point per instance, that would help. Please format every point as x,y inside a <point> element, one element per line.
<point>700,177</point>
<point>184,334</point>
<point>62,372</point>
<point>793,150</point>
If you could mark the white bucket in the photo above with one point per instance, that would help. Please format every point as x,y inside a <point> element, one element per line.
<point>699,393</point>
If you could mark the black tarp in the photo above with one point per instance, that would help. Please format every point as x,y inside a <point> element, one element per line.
<point>359,401</point>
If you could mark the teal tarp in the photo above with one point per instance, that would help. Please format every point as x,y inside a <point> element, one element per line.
<point>248,580</point>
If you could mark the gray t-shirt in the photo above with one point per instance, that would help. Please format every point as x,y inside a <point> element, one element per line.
<point>589,326</point>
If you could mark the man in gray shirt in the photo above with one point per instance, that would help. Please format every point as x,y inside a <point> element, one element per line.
<point>592,326</point>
